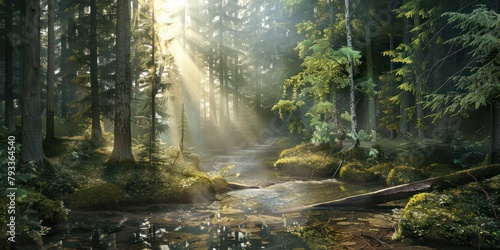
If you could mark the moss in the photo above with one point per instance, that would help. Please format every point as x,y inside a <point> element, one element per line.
<point>297,150</point>
<point>380,171</point>
<point>440,169</point>
<point>356,171</point>
<point>306,160</point>
<point>104,195</point>
<point>220,184</point>
<point>459,216</point>
<point>404,174</point>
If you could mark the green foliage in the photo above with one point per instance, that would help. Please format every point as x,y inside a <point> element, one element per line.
<point>321,132</point>
<point>35,212</point>
<point>324,72</point>
<point>461,216</point>
<point>368,87</point>
<point>478,83</point>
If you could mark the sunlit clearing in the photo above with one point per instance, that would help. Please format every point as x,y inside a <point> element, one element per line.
<point>190,109</point>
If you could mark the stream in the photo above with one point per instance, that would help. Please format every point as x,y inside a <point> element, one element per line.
<point>243,219</point>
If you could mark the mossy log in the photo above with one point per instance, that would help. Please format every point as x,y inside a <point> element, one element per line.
<point>404,191</point>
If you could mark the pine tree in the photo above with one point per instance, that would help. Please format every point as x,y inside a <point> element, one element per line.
<point>478,84</point>
<point>31,130</point>
<point>122,149</point>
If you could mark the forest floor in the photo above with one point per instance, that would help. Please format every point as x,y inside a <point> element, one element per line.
<point>90,182</point>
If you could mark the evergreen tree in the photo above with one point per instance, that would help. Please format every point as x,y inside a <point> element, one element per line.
<point>122,149</point>
<point>478,83</point>
<point>9,84</point>
<point>31,130</point>
<point>49,128</point>
<point>96,131</point>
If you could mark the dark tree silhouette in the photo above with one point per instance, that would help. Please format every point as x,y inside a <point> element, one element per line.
<point>31,132</point>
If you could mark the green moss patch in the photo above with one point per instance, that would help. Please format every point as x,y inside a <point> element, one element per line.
<point>381,171</point>
<point>404,174</point>
<point>105,195</point>
<point>302,160</point>
<point>356,171</point>
<point>461,216</point>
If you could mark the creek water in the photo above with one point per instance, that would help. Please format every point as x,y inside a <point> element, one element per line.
<point>243,219</point>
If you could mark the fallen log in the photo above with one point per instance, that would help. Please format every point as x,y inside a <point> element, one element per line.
<point>404,191</point>
<point>238,186</point>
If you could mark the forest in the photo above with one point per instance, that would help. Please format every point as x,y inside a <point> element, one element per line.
<point>250,124</point>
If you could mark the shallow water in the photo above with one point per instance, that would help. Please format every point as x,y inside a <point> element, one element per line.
<point>243,219</point>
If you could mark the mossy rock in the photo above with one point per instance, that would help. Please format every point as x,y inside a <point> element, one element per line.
<point>105,195</point>
<point>381,171</point>
<point>307,164</point>
<point>220,184</point>
<point>356,172</point>
<point>404,174</point>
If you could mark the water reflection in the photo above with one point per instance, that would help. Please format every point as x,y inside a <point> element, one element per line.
<point>243,219</point>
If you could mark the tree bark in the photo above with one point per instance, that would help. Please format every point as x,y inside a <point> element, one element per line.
<point>371,124</point>
<point>49,126</point>
<point>152,133</point>
<point>222,60</point>
<point>495,132</point>
<point>354,121</point>
<point>9,87</point>
<point>404,191</point>
<point>65,79</point>
<point>96,134</point>
<point>122,149</point>
<point>31,131</point>
<point>212,104</point>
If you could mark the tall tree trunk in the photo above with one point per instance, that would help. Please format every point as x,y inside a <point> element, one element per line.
<point>352,105</point>
<point>72,67</point>
<point>221,67</point>
<point>65,79</point>
<point>236,89</point>
<point>257,90</point>
<point>96,136</point>
<point>418,81</point>
<point>495,132</point>
<point>333,90</point>
<point>31,132</point>
<point>9,87</point>
<point>137,43</point>
<point>405,95</point>
<point>212,104</point>
<point>122,149</point>
<point>152,134</point>
<point>49,128</point>
<point>394,131</point>
<point>370,124</point>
